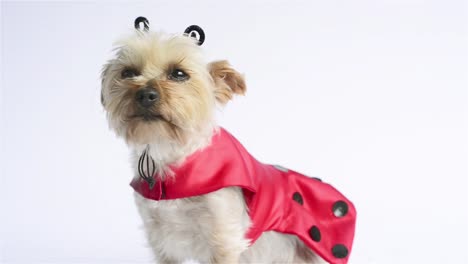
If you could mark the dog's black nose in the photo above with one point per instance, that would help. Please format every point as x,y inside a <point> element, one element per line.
<point>147,96</point>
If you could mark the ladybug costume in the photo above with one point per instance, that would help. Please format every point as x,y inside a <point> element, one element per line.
<point>278,199</point>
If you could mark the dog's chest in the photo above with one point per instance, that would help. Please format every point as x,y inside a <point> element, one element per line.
<point>177,229</point>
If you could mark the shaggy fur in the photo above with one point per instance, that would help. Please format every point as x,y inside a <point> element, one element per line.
<point>208,228</point>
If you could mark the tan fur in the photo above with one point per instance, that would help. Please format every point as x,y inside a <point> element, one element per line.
<point>227,81</point>
<point>185,106</point>
<point>208,228</point>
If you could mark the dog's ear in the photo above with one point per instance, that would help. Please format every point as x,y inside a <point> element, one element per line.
<point>104,72</point>
<point>227,81</point>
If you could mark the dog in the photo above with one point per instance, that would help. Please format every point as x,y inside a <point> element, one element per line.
<point>160,96</point>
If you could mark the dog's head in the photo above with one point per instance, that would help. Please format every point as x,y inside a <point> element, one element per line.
<point>158,87</point>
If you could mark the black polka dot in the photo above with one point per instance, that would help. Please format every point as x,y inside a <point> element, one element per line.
<point>298,198</point>
<point>317,179</point>
<point>339,251</point>
<point>314,233</point>
<point>340,209</point>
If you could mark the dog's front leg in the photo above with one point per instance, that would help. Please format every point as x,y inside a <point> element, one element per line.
<point>229,226</point>
<point>227,258</point>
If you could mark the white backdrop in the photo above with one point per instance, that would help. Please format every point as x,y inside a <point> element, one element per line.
<point>369,95</point>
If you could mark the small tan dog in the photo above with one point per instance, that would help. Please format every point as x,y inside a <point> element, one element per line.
<point>159,92</point>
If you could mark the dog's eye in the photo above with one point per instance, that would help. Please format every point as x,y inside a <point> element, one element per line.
<point>178,75</point>
<point>129,73</point>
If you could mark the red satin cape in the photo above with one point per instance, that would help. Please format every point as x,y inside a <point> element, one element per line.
<point>278,199</point>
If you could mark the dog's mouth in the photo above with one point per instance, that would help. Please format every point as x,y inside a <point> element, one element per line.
<point>150,117</point>
<point>147,117</point>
